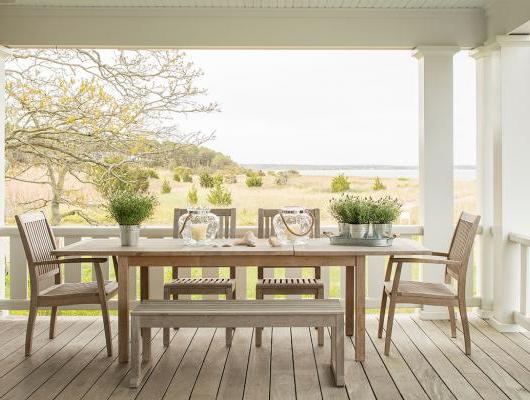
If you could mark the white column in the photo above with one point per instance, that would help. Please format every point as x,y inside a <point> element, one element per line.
<point>511,163</point>
<point>488,121</point>
<point>4,53</point>
<point>436,157</point>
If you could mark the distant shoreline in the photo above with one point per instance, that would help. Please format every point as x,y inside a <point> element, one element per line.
<point>303,167</point>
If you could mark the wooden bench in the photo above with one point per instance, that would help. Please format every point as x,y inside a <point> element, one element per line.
<point>235,313</point>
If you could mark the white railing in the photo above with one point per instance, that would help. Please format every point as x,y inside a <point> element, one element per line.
<point>522,317</point>
<point>18,275</point>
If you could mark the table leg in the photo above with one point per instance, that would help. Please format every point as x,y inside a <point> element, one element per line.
<point>350,280</point>
<point>123,309</point>
<point>360,311</point>
<point>144,295</point>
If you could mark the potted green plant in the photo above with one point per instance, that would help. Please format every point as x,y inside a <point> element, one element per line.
<point>129,210</point>
<point>384,212</point>
<point>352,214</point>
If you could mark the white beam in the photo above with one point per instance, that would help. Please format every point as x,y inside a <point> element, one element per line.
<point>4,54</point>
<point>106,27</point>
<point>436,157</point>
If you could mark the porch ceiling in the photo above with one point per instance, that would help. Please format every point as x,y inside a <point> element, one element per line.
<point>345,4</point>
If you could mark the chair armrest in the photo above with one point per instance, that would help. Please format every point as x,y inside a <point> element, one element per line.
<point>439,254</point>
<point>427,260</point>
<point>72,261</point>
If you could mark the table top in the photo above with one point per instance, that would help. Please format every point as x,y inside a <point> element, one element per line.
<point>177,248</point>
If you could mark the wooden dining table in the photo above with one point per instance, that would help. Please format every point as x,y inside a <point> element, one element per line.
<point>174,252</point>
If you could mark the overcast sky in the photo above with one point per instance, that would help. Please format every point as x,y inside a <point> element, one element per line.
<point>324,107</point>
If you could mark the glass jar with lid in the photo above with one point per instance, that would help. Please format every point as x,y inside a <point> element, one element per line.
<point>198,226</point>
<point>293,225</point>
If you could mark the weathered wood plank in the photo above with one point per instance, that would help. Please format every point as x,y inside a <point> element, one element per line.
<point>211,372</point>
<point>473,374</point>
<point>495,372</point>
<point>258,374</point>
<point>282,373</point>
<point>233,381</point>
<point>407,384</point>
<point>456,383</point>
<point>182,383</point>
<point>305,371</point>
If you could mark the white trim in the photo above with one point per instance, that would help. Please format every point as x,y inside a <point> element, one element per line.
<point>484,314</point>
<point>432,314</point>
<point>513,40</point>
<point>422,51</point>
<point>522,320</point>
<point>502,327</point>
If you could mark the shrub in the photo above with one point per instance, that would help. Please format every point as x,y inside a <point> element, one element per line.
<point>254,181</point>
<point>293,172</point>
<point>176,177</point>
<point>128,208</point>
<point>166,187</point>
<point>220,196</point>
<point>187,178</point>
<point>230,179</point>
<point>378,185</point>
<point>192,196</point>
<point>217,179</point>
<point>206,180</point>
<point>182,174</point>
<point>120,178</point>
<point>281,178</point>
<point>153,174</point>
<point>340,184</point>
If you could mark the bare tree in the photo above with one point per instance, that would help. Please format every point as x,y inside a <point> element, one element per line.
<point>69,111</point>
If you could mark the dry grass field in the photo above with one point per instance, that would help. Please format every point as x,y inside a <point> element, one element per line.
<point>307,191</point>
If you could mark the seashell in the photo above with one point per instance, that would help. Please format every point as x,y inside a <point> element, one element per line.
<point>274,242</point>
<point>248,239</point>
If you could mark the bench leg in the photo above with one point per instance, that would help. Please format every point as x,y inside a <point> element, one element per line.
<point>146,345</point>
<point>165,331</point>
<point>337,350</point>
<point>136,362</point>
<point>259,331</point>
<point>229,331</point>
<point>320,295</point>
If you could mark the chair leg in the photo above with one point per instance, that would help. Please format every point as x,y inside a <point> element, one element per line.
<point>389,324</point>
<point>53,319</point>
<point>382,312</point>
<point>465,325</point>
<point>165,331</point>
<point>31,326</point>
<point>320,295</point>
<point>106,326</point>
<point>259,330</point>
<point>453,321</point>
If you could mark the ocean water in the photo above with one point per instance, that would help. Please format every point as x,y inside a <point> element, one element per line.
<point>459,174</point>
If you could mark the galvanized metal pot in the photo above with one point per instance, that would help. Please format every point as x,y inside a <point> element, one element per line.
<point>129,235</point>
<point>380,231</point>
<point>344,230</point>
<point>358,231</point>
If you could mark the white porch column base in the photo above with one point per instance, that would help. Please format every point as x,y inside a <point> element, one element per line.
<point>522,320</point>
<point>432,313</point>
<point>484,314</point>
<point>436,158</point>
<point>502,327</point>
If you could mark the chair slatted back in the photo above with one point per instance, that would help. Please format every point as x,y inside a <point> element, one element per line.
<point>227,228</point>
<point>266,229</point>
<point>38,241</point>
<point>462,245</point>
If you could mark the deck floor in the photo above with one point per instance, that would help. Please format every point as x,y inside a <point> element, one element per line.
<point>424,363</point>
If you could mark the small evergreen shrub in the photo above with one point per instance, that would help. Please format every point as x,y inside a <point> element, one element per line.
<point>206,180</point>
<point>217,179</point>
<point>281,178</point>
<point>187,178</point>
<point>231,179</point>
<point>219,196</point>
<point>193,196</point>
<point>378,185</point>
<point>254,181</point>
<point>153,174</point>
<point>340,184</point>
<point>166,187</point>
<point>176,177</point>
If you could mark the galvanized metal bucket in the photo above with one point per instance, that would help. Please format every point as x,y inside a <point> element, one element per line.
<point>381,231</point>
<point>358,231</point>
<point>129,235</point>
<point>344,230</point>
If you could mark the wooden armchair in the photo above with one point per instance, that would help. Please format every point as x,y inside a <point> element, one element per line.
<point>436,294</point>
<point>38,241</point>
<point>287,286</point>
<point>224,286</point>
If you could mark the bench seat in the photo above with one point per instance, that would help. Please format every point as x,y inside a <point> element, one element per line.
<point>236,313</point>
